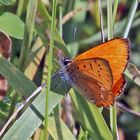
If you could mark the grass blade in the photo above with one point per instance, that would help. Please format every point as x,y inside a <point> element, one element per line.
<point>28,33</point>
<point>91,118</point>
<point>50,57</point>
<point>16,78</point>
<point>109,19</point>
<point>33,115</point>
<point>34,58</point>
<point>58,129</point>
<point>130,17</point>
<point>115,10</point>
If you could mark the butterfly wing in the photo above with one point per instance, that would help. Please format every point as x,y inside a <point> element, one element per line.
<point>92,78</point>
<point>119,86</point>
<point>116,52</point>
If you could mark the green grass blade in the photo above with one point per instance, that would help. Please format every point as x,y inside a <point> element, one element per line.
<point>130,17</point>
<point>34,114</point>
<point>91,118</point>
<point>28,32</point>
<point>58,42</point>
<point>115,10</point>
<point>113,121</point>
<point>16,78</point>
<point>32,118</point>
<point>60,22</point>
<point>34,58</point>
<point>25,87</point>
<point>20,7</point>
<point>109,19</point>
<point>118,28</point>
<point>50,66</point>
<point>58,130</point>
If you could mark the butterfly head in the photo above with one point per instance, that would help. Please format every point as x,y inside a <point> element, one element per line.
<point>63,61</point>
<point>66,61</point>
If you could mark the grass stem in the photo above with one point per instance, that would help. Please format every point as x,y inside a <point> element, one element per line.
<point>50,57</point>
<point>113,121</point>
<point>130,18</point>
<point>115,7</point>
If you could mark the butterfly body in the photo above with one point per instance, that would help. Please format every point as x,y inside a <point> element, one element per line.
<point>98,73</point>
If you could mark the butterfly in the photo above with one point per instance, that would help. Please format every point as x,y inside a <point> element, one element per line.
<point>98,73</point>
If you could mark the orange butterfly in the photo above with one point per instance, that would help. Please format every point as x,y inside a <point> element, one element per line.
<point>98,73</point>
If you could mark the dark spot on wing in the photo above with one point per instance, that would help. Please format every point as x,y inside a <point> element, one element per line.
<point>99,65</point>
<point>101,68</point>
<point>84,66</point>
<point>91,66</point>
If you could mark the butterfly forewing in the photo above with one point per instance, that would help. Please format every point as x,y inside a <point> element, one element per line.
<point>93,78</point>
<point>116,52</point>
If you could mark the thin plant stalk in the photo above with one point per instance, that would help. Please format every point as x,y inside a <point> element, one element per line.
<point>60,21</point>
<point>57,108</point>
<point>130,17</point>
<point>115,7</point>
<point>101,21</point>
<point>109,19</point>
<point>20,7</point>
<point>113,121</point>
<point>50,57</point>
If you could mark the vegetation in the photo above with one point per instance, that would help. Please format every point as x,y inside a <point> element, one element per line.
<point>33,33</point>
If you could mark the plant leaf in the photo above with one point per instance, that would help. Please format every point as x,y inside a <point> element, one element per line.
<point>12,25</point>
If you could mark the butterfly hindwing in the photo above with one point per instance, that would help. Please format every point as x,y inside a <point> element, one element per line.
<point>93,78</point>
<point>119,86</point>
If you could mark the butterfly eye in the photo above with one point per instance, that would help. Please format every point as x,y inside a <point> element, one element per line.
<point>67,61</point>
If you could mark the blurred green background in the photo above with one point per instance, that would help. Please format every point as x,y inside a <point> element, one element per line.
<point>80,31</point>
